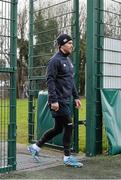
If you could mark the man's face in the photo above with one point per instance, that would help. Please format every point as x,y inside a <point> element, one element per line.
<point>68,47</point>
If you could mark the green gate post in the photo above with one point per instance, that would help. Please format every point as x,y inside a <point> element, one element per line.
<point>13,65</point>
<point>30,100</point>
<point>76,60</point>
<point>94,54</point>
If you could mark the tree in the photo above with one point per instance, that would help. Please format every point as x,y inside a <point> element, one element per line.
<point>82,19</point>
<point>112,25</point>
<point>48,24</point>
<point>4,52</point>
<point>82,64</point>
<point>45,30</point>
<point>22,45</point>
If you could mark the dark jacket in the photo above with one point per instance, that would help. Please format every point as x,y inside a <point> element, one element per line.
<point>60,79</point>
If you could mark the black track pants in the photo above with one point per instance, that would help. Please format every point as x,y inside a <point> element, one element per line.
<point>61,123</point>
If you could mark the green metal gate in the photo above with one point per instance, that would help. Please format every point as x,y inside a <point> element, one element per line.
<point>103,64</point>
<point>47,20</point>
<point>8,30</point>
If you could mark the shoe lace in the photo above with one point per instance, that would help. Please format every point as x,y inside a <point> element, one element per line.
<point>72,159</point>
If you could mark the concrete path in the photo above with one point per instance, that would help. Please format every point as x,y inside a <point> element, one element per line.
<point>51,166</point>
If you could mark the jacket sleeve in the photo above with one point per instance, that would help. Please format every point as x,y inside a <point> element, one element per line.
<point>74,92</point>
<point>51,78</point>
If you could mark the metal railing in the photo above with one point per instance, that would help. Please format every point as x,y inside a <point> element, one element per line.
<point>8,14</point>
<point>47,21</point>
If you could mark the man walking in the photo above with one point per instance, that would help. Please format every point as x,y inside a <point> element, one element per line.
<point>61,87</point>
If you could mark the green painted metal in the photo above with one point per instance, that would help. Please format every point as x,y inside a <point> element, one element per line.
<point>8,86</point>
<point>96,27</point>
<point>111,65</point>
<point>99,57</point>
<point>76,61</point>
<point>90,93</point>
<point>30,63</point>
<point>13,63</point>
<point>66,19</point>
<point>94,54</point>
<point>8,70</point>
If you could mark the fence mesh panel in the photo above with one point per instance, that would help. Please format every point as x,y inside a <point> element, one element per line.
<point>47,20</point>
<point>107,55</point>
<point>7,86</point>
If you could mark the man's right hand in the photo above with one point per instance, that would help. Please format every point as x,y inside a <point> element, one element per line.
<point>55,106</point>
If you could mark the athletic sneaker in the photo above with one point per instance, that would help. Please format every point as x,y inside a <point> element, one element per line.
<point>72,161</point>
<point>34,153</point>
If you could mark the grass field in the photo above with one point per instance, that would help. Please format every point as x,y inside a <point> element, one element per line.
<point>22,121</point>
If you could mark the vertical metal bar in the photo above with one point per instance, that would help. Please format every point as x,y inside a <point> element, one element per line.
<point>76,60</point>
<point>30,100</point>
<point>90,93</point>
<point>93,107</point>
<point>12,123</point>
<point>30,63</point>
<point>99,57</point>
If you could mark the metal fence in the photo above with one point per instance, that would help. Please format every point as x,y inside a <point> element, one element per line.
<point>103,64</point>
<point>47,20</point>
<point>8,13</point>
